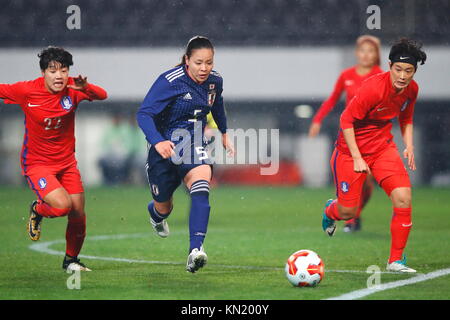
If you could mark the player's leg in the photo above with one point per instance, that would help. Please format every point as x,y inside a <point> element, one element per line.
<point>70,179</point>
<point>163,180</point>
<point>355,223</point>
<point>197,181</point>
<point>393,177</point>
<point>348,190</point>
<point>52,199</point>
<point>75,234</point>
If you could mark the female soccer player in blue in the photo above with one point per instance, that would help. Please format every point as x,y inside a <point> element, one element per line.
<point>173,118</point>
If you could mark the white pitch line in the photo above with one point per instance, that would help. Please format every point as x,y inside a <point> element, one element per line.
<point>358,294</point>
<point>44,247</point>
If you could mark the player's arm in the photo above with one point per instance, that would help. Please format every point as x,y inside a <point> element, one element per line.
<point>91,91</point>
<point>407,129</point>
<point>157,99</point>
<point>326,107</point>
<point>220,118</point>
<point>357,109</point>
<point>13,93</point>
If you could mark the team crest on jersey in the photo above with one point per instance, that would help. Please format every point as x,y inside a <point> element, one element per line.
<point>211,97</point>
<point>42,183</point>
<point>345,187</point>
<point>404,105</point>
<point>66,103</point>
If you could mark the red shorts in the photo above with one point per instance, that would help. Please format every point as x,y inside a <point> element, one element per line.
<point>386,166</point>
<point>44,179</point>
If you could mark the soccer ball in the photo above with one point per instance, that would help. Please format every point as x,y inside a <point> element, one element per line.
<point>304,268</point>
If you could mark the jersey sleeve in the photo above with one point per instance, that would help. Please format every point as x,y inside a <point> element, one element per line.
<point>14,93</point>
<point>365,99</point>
<point>218,111</point>
<point>329,104</point>
<point>406,115</point>
<point>160,95</point>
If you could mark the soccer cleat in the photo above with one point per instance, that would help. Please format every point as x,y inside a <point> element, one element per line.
<point>352,227</point>
<point>328,225</point>
<point>399,266</point>
<point>34,223</point>
<point>196,260</point>
<point>161,228</point>
<point>71,264</point>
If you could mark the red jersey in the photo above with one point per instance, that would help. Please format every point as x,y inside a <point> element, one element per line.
<point>372,111</point>
<point>49,137</point>
<point>349,81</point>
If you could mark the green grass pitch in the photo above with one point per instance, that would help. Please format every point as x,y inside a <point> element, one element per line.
<point>252,232</point>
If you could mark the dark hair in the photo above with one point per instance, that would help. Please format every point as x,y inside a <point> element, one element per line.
<point>197,42</point>
<point>405,46</point>
<point>57,54</point>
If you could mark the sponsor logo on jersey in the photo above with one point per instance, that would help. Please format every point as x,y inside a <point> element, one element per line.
<point>345,187</point>
<point>33,105</point>
<point>42,183</point>
<point>404,105</point>
<point>212,86</point>
<point>381,109</point>
<point>187,96</point>
<point>155,189</point>
<point>66,103</point>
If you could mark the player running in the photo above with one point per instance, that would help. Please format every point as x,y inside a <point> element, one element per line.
<point>173,118</point>
<point>48,152</point>
<point>368,64</point>
<point>365,146</point>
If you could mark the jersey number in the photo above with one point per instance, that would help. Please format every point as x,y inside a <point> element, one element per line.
<point>195,114</point>
<point>52,123</point>
<point>201,153</point>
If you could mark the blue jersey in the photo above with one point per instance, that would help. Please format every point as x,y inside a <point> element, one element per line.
<point>175,101</point>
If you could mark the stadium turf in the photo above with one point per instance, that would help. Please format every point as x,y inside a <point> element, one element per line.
<point>252,232</point>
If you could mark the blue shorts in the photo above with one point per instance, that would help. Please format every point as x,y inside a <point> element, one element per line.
<point>165,175</point>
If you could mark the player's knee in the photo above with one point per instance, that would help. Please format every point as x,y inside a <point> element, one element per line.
<point>63,203</point>
<point>401,198</point>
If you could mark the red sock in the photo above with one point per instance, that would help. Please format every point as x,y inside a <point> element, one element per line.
<point>75,233</point>
<point>48,211</point>
<point>332,211</point>
<point>400,227</point>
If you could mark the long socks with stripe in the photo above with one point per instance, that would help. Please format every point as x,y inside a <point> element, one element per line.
<point>75,234</point>
<point>199,213</point>
<point>400,227</point>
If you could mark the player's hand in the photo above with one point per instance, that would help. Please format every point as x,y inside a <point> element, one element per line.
<point>408,153</point>
<point>359,165</point>
<point>80,83</point>
<point>165,149</point>
<point>228,145</point>
<point>314,129</point>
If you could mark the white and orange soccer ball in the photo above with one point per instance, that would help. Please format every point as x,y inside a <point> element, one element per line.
<point>304,268</point>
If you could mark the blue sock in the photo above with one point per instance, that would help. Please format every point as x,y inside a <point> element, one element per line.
<point>199,214</point>
<point>156,216</point>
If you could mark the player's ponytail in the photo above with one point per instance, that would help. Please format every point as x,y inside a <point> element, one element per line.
<point>197,42</point>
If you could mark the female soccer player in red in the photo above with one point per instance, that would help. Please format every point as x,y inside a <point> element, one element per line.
<point>368,64</point>
<point>364,146</point>
<point>48,153</point>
